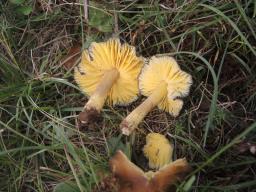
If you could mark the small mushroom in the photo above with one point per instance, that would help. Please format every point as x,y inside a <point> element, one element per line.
<point>108,71</point>
<point>164,83</point>
<point>132,179</point>
<point>157,150</point>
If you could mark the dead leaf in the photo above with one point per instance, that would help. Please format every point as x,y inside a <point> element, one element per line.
<point>72,57</point>
<point>245,147</point>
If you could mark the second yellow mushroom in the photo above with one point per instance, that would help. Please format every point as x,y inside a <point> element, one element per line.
<point>164,83</point>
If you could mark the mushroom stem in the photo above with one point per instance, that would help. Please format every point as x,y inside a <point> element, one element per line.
<point>94,105</point>
<point>137,115</point>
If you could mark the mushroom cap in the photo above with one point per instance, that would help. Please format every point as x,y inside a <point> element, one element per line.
<point>132,179</point>
<point>158,150</point>
<point>165,69</point>
<point>104,56</point>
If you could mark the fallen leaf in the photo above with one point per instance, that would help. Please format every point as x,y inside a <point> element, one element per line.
<point>245,147</point>
<point>72,57</point>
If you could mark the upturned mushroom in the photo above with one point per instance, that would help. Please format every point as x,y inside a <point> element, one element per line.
<point>164,83</point>
<point>158,150</point>
<point>108,72</point>
<point>132,179</point>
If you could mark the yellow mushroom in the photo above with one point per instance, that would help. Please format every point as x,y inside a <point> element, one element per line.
<point>158,150</point>
<point>164,83</point>
<point>132,179</point>
<point>108,71</point>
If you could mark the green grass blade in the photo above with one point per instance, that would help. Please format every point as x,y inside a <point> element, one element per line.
<point>233,25</point>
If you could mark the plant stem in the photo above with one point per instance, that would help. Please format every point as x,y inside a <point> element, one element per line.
<point>86,11</point>
<point>137,115</point>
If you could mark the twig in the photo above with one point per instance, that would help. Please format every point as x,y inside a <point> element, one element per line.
<point>116,29</point>
<point>86,11</point>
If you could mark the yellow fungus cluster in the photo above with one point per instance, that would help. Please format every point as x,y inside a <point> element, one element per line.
<point>111,72</point>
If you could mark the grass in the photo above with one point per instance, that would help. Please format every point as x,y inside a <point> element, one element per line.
<point>40,145</point>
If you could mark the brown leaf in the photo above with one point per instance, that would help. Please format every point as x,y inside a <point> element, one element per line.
<point>245,147</point>
<point>72,57</point>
